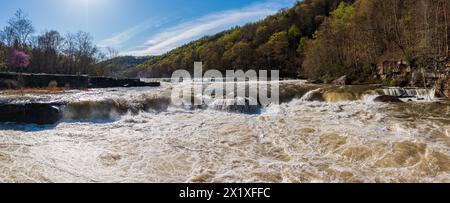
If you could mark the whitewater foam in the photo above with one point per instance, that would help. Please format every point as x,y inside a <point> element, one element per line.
<point>296,141</point>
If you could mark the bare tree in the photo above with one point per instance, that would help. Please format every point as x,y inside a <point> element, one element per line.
<point>111,53</point>
<point>46,50</point>
<point>18,30</point>
<point>80,52</point>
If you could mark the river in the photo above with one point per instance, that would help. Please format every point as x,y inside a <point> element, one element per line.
<point>136,135</point>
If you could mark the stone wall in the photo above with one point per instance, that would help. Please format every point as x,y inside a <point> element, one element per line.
<point>10,80</point>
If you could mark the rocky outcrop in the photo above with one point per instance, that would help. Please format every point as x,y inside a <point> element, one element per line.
<point>399,73</point>
<point>387,99</point>
<point>103,82</point>
<point>10,80</point>
<point>341,81</point>
<point>35,113</point>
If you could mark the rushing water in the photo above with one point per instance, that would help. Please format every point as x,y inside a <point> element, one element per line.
<point>136,135</point>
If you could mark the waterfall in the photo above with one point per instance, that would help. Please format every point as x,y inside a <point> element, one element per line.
<point>420,94</point>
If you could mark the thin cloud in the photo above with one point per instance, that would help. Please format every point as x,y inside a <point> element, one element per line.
<point>181,34</point>
<point>119,39</point>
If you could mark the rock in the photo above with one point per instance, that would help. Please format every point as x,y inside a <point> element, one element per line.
<point>317,81</point>
<point>341,81</point>
<point>72,81</point>
<point>103,82</point>
<point>387,99</point>
<point>9,84</point>
<point>34,113</point>
<point>314,95</point>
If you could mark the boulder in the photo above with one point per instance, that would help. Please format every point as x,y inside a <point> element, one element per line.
<point>314,95</point>
<point>341,81</point>
<point>387,99</point>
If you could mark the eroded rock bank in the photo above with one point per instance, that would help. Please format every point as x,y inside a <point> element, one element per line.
<point>400,73</point>
<point>35,113</point>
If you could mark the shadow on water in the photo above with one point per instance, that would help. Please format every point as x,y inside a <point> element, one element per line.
<point>26,127</point>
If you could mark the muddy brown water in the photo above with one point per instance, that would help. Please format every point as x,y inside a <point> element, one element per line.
<point>346,138</point>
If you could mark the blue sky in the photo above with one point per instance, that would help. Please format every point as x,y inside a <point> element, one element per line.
<point>142,27</point>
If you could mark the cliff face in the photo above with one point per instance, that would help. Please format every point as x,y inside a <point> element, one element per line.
<point>399,73</point>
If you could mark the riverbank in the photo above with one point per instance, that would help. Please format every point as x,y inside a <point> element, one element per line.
<point>51,81</point>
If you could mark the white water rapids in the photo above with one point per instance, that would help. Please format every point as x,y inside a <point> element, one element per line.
<point>336,140</point>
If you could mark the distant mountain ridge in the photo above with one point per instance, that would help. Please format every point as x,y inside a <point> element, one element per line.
<point>123,66</point>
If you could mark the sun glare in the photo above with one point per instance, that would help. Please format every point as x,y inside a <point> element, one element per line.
<point>84,4</point>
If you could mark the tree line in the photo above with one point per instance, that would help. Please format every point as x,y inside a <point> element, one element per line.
<point>49,52</point>
<point>356,37</point>
<point>322,39</point>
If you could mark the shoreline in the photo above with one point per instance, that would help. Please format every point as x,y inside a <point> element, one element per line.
<point>41,80</point>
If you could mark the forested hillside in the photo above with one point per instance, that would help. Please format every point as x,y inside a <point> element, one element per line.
<point>278,42</point>
<point>323,39</point>
<point>358,37</point>
<point>122,66</point>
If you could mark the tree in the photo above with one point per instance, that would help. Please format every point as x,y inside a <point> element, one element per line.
<point>79,52</point>
<point>18,30</point>
<point>111,53</point>
<point>86,51</point>
<point>2,56</point>
<point>17,60</point>
<point>46,51</point>
<point>271,43</point>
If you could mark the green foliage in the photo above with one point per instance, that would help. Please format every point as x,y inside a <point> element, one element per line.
<point>302,45</point>
<point>273,43</point>
<point>390,82</point>
<point>119,66</point>
<point>294,32</point>
<point>279,43</point>
<point>342,15</point>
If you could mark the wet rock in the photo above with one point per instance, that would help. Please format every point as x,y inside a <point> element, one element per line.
<point>333,97</point>
<point>341,81</point>
<point>399,73</point>
<point>315,81</point>
<point>35,113</point>
<point>103,82</point>
<point>387,99</point>
<point>315,95</point>
<point>236,105</point>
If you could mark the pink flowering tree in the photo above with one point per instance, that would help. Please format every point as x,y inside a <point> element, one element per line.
<point>17,59</point>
